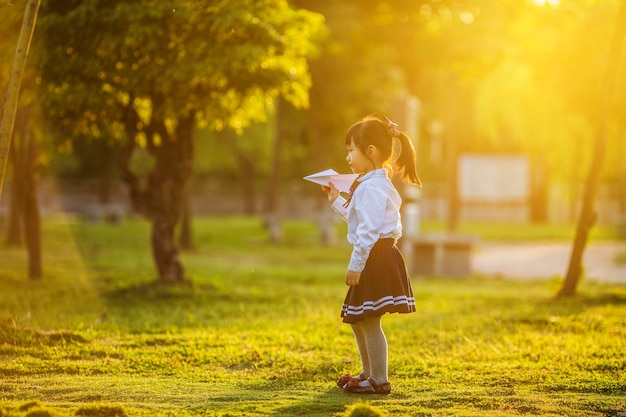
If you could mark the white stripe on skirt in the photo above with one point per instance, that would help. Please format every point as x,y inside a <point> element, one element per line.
<point>378,304</point>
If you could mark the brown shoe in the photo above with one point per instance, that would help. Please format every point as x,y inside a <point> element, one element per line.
<point>384,388</point>
<point>341,382</point>
<point>354,386</point>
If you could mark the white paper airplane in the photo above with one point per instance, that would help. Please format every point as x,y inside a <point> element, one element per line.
<point>341,181</point>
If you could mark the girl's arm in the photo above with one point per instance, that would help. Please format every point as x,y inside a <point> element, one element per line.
<point>336,200</point>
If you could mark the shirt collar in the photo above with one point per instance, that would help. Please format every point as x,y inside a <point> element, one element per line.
<point>373,173</point>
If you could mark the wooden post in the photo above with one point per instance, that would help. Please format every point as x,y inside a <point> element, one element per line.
<point>15,81</point>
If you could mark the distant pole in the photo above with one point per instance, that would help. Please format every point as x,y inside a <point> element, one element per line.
<point>588,214</point>
<point>406,111</point>
<point>15,81</point>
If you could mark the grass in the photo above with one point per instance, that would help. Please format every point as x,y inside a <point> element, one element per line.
<point>258,334</point>
<point>517,232</point>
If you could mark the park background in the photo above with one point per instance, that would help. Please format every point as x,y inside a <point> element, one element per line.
<point>157,225</point>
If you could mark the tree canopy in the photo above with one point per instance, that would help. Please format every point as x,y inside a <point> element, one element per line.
<point>221,60</point>
<point>147,72</point>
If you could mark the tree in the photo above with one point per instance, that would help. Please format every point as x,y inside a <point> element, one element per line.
<point>147,72</point>
<point>587,217</point>
<point>15,80</point>
<point>19,138</point>
<point>24,199</point>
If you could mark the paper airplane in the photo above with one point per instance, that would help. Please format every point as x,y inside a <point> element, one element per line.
<point>341,181</point>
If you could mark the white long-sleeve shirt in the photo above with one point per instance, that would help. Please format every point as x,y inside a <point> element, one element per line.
<point>373,213</point>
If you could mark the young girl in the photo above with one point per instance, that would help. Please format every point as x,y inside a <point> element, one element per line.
<point>376,274</point>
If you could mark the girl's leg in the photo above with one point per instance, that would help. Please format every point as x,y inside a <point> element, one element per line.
<point>376,347</point>
<point>361,344</point>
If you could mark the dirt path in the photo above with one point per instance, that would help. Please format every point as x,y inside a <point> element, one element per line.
<point>545,260</point>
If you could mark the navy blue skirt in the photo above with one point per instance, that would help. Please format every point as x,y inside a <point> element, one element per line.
<point>384,286</point>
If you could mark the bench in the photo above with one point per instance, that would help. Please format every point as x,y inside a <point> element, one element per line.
<point>439,254</point>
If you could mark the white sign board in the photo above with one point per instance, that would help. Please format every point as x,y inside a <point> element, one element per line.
<point>493,178</point>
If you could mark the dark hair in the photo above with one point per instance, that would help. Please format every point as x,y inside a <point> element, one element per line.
<point>380,132</point>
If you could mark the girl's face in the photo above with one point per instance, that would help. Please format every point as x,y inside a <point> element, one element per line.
<point>358,161</point>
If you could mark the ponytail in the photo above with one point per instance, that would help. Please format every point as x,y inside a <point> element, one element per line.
<point>380,131</point>
<point>405,161</point>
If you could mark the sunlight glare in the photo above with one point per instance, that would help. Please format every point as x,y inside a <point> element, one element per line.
<point>426,10</point>
<point>553,3</point>
<point>467,18</point>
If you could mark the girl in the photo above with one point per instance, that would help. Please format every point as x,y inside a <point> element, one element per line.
<point>376,274</point>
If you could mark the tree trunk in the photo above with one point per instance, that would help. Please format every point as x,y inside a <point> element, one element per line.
<point>161,199</point>
<point>273,222</point>
<point>32,220</point>
<point>249,183</point>
<point>185,239</point>
<point>164,250</point>
<point>458,129</point>
<point>167,184</point>
<point>538,192</point>
<point>15,80</point>
<point>104,183</point>
<point>621,191</point>
<point>454,200</point>
<point>246,164</point>
<point>271,196</point>
<point>24,223</point>
<point>16,207</point>
<point>588,215</point>
<point>163,203</point>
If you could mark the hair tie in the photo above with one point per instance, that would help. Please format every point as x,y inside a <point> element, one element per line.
<point>392,128</point>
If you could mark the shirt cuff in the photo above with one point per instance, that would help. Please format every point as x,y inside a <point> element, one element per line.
<point>356,266</point>
<point>338,207</point>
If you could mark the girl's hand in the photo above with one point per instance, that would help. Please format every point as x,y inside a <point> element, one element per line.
<point>352,278</point>
<point>332,192</point>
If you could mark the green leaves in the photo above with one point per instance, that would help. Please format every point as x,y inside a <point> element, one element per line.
<point>196,56</point>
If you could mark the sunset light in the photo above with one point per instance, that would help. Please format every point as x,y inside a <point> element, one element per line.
<point>312,208</point>
<point>553,3</point>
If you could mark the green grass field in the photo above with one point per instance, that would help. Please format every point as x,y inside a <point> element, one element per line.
<point>257,333</point>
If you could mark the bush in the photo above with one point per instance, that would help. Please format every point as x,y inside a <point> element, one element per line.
<point>101,411</point>
<point>364,410</point>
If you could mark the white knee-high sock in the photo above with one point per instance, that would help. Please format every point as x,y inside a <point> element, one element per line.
<point>377,349</point>
<point>359,336</point>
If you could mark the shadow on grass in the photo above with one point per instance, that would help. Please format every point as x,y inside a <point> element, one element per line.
<point>594,300</point>
<point>509,304</point>
<point>324,403</point>
<point>157,291</point>
<point>575,314</point>
<point>612,296</point>
<point>313,403</point>
<point>153,306</point>
<point>15,333</point>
